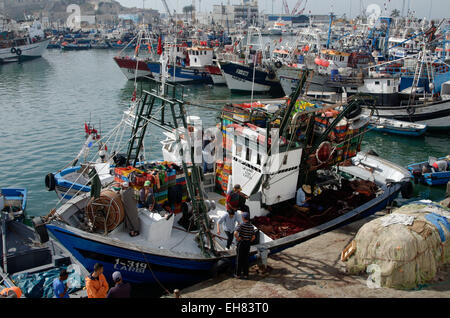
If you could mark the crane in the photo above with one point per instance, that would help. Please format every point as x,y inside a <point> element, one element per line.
<point>285,7</point>
<point>167,8</point>
<point>298,6</point>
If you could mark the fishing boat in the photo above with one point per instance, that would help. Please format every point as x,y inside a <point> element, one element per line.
<point>31,265</point>
<point>183,247</point>
<point>427,172</point>
<point>14,201</point>
<point>18,46</point>
<point>396,127</point>
<point>252,72</point>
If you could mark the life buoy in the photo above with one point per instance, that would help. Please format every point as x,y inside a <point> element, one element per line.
<point>271,75</point>
<point>40,229</point>
<point>410,110</point>
<point>196,72</point>
<point>278,64</point>
<point>13,50</point>
<point>50,182</point>
<point>19,52</point>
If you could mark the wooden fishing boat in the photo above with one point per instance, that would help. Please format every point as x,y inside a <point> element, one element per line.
<point>397,127</point>
<point>13,200</point>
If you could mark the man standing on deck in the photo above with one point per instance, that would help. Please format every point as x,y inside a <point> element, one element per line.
<point>59,287</point>
<point>244,235</point>
<point>96,284</point>
<point>132,222</point>
<point>236,200</point>
<point>229,221</point>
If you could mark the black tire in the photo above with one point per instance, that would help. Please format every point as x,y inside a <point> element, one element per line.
<point>271,75</point>
<point>278,64</point>
<point>354,113</point>
<point>196,72</point>
<point>407,190</point>
<point>204,74</point>
<point>19,52</point>
<point>50,182</point>
<point>13,50</point>
<point>40,229</point>
<point>410,110</point>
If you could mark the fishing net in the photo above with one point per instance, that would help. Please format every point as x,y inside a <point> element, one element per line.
<point>408,245</point>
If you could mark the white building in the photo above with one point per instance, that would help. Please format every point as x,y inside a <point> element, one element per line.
<point>235,14</point>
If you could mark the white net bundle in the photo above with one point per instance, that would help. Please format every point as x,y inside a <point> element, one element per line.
<point>408,245</point>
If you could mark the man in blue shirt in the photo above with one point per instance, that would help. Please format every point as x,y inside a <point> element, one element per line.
<point>301,199</point>
<point>59,287</point>
<point>229,221</point>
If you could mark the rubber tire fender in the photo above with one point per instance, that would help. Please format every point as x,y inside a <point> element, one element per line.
<point>196,72</point>
<point>355,112</point>
<point>13,50</point>
<point>40,229</point>
<point>50,182</point>
<point>407,190</point>
<point>271,75</point>
<point>410,110</point>
<point>278,64</point>
<point>220,266</point>
<point>19,52</point>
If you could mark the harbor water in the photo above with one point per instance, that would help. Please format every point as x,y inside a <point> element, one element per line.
<point>45,103</point>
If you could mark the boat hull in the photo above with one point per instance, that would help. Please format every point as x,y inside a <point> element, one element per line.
<point>129,68</point>
<point>429,178</point>
<point>179,74</point>
<point>141,266</point>
<point>240,78</point>
<point>435,115</point>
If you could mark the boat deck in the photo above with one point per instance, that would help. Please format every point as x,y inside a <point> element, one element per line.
<point>180,241</point>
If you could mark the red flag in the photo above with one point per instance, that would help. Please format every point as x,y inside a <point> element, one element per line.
<point>134,96</point>
<point>159,46</point>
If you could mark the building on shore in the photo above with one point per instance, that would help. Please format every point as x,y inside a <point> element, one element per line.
<point>231,15</point>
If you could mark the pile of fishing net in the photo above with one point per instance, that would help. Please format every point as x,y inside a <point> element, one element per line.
<point>407,246</point>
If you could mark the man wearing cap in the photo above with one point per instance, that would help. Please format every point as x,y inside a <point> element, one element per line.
<point>301,199</point>
<point>229,221</point>
<point>244,235</point>
<point>121,289</point>
<point>236,200</point>
<point>132,222</point>
<point>59,287</point>
<point>146,197</point>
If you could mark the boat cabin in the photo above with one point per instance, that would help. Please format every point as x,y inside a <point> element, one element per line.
<point>200,56</point>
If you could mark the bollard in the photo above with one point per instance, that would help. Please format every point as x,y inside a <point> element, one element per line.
<point>176,293</point>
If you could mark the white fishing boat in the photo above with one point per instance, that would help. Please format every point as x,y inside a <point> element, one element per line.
<point>184,247</point>
<point>21,46</point>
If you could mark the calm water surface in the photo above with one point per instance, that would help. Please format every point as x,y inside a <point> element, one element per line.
<point>44,104</point>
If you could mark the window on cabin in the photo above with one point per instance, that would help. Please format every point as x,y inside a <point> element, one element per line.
<point>258,159</point>
<point>238,150</point>
<point>389,83</point>
<point>377,83</point>
<point>247,154</point>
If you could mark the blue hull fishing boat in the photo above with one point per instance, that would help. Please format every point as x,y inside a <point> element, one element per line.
<point>13,200</point>
<point>183,246</point>
<point>428,172</point>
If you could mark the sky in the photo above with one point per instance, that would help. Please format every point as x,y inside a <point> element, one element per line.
<point>424,8</point>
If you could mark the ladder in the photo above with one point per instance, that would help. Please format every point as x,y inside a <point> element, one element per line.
<point>157,100</point>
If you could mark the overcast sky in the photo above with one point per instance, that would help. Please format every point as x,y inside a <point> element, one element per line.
<point>423,8</point>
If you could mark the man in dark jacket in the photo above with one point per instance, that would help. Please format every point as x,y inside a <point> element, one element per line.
<point>121,289</point>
